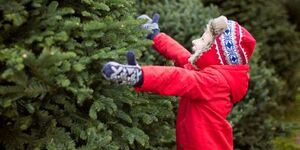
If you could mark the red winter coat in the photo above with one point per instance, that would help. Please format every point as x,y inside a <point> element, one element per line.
<point>206,96</point>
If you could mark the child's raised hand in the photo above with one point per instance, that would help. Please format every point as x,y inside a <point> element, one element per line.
<point>151,25</point>
<point>130,74</point>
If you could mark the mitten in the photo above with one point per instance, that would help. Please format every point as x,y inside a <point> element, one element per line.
<point>151,25</point>
<point>130,74</point>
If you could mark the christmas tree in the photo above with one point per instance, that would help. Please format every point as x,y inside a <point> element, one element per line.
<point>53,95</point>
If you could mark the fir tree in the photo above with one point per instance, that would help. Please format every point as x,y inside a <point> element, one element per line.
<point>52,93</point>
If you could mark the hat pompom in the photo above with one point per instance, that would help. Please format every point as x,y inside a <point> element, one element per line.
<point>218,25</point>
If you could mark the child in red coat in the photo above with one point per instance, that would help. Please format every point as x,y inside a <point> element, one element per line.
<point>208,82</point>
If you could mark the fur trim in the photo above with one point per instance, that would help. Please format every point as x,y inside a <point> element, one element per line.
<point>214,28</point>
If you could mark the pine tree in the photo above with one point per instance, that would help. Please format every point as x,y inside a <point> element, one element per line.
<point>53,95</point>
<point>293,11</point>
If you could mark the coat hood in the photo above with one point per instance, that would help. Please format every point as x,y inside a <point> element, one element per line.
<point>237,77</point>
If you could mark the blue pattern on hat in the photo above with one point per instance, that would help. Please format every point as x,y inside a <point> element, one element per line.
<point>229,44</point>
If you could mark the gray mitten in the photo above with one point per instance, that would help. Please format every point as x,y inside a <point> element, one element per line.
<point>151,25</point>
<point>130,74</point>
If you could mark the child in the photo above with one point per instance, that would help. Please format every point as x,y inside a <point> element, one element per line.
<point>208,82</point>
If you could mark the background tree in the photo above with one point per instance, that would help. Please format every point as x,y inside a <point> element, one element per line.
<point>293,10</point>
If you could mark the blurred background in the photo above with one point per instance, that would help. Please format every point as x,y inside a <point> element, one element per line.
<point>53,95</point>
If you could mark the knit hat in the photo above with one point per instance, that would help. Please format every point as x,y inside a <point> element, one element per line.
<point>224,42</point>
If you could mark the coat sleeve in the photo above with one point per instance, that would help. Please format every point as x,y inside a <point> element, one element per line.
<point>171,49</point>
<point>175,81</point>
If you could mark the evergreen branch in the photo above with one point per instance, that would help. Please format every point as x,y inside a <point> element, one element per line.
<point>36,89</point>
<point>5,90</point>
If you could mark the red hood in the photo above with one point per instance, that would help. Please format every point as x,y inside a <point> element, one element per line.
<point>237,77</point>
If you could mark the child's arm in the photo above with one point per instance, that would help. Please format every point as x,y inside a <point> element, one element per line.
<point>171,49</point>
<point>169,81</point>
<point>175,81</point>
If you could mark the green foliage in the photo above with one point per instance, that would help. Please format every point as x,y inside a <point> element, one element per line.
<point>52,92</point>
<point>293,11</point>
<point>253,124</point>
<point>286,144</point>
<point>290,140</point>
<point>183,20</point>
